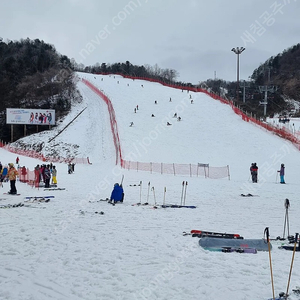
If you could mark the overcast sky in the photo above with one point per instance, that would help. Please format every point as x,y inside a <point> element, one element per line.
<point>194,37</point>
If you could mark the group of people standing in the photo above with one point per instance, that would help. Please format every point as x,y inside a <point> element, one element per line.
<point>41,172</point>
<point>254,172</point>
<point>44,173</point>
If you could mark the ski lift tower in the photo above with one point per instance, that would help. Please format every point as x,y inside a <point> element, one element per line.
<point>244,85</point>
<point>266,89</point>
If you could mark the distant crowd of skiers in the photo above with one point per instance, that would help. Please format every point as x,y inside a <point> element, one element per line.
<point>42,173</point>
<point>254,172</point>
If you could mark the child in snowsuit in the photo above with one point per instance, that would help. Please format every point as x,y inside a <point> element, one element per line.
<point>281,173</point>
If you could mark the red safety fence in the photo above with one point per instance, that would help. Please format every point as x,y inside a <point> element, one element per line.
<point>30,177</point>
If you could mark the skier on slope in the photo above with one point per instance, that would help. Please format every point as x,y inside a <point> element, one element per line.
<point>281,173</point>
<point>117,195</point>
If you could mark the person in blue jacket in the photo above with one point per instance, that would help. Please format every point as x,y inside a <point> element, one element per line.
<point>281,173</point>
<point>117,195</point>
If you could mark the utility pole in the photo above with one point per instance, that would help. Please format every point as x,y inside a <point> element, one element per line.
<point>238,51</point>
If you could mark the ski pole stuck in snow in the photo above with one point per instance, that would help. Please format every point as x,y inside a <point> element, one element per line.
<point>186,183</point>
<point>154,195</point>
<point>140,192</point>
<point>148,192</point>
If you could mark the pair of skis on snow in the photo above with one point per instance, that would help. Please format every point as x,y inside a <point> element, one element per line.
<point>201,233</point>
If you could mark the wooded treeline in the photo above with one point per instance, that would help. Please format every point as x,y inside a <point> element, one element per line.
<point>33,75</point>
<point>146,71</point>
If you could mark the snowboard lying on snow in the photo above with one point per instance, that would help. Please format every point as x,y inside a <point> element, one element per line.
<point>211,242</point>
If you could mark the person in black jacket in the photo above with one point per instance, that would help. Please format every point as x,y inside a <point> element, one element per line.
<point>253,170</point>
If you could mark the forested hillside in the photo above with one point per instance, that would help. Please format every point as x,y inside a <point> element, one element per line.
<point>33,75</point>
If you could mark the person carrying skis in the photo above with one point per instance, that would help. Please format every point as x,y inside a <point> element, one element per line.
<point>117,195</point>
<point>253,170</point>
<point>281,173</point>
<point>12,175</point>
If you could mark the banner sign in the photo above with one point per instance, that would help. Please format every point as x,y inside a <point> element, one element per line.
<point>30,116</point>
<point>203,165</point>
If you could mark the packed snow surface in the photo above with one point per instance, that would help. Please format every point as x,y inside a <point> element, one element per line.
<point>63,249</point>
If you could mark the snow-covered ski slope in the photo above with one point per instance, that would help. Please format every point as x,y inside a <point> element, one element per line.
<point>209,131</point>
<point>84,132</point>
<point>53,251</point>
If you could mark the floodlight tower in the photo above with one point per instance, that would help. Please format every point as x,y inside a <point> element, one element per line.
<point>238,51</point>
